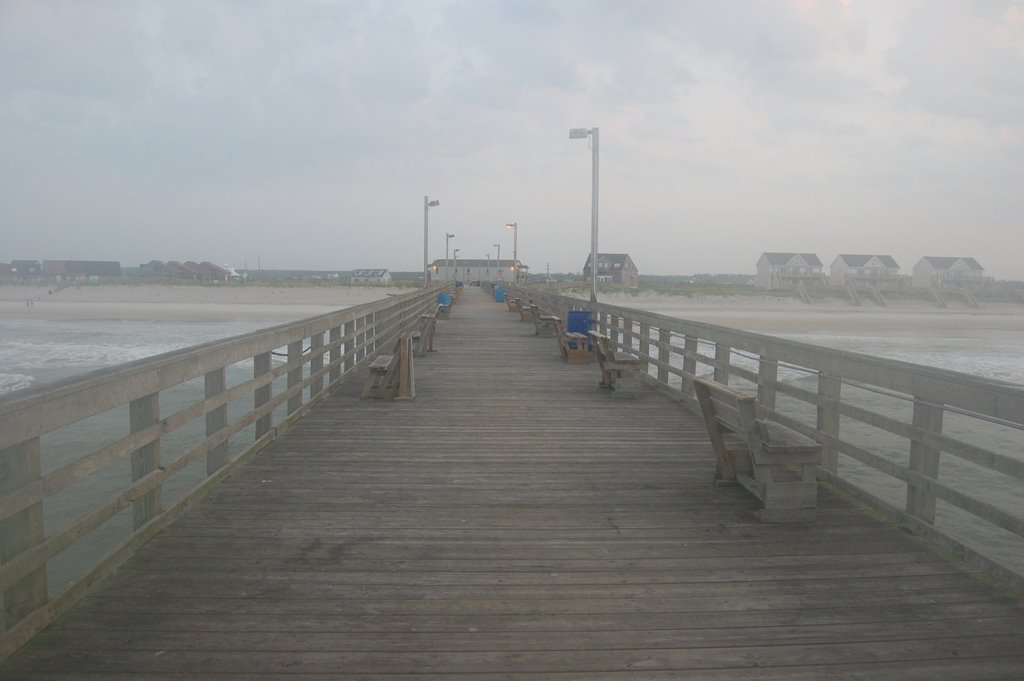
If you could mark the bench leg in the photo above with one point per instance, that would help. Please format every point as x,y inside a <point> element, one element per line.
<point>626,384</point>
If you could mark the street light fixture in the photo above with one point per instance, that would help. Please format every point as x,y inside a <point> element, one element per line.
<point>581,133</point>
<point>514,226</point>
<point>447,262</point>
<point>500,277</point>
<point>427,205</point>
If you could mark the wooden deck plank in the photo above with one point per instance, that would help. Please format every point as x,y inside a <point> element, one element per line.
<point>513,522</point>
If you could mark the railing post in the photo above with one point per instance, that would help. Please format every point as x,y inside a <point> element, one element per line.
<point>829,393</point>
<point>627,334</point>
<point>645,346</point>
<point>690,347</point>
<point>350,345</point>
<point>21,465</point>
<point>216,419</point>
<point>260,366</point>
<point>316,363</point>
<point>613,330</point>
<point>143,413</point>
<point>924,460</point>
<point>723,354</point>
<point>361,339</point>
<point>295,375</point>
<point>664,354</point>
<point>335,356</point>
<point>767,377</point>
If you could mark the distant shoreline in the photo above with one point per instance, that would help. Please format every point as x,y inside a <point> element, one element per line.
<point>276,304</point>
<point>181,303</point>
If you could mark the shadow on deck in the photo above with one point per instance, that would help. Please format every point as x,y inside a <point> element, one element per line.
<point>514,521</point>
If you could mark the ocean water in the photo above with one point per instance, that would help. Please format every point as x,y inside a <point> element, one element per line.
<point>990,353</point>
<point>33,351</point>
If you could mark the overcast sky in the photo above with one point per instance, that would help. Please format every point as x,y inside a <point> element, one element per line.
<point>305,134</point>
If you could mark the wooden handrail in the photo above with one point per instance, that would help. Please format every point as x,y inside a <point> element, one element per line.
<point>330,347</point>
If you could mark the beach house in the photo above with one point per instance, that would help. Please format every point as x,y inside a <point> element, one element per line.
<point>866,271</point>
<point>781,271</point>
<point>949,272</point>
<point>81,270</point>
<point>614,268</point>
<point>371,276</point>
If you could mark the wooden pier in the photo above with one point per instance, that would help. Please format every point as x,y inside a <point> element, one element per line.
<point>515,522</point>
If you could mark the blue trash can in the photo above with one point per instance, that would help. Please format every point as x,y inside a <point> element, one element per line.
<point>444,299</point>
<point>499,294</point>
<point>580,321</point>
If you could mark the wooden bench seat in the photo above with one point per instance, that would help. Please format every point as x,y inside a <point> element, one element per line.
<point>525,312</point>
<point>512,303</point>
<point>423,338</point>
<point>391,375</point>
<point>543,324</point>
<point>774,463</point>
<point>574,346</point>
<point>620,371</point>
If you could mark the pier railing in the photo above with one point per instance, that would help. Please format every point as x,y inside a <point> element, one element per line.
<point>75,502</point>
<point>942,452</point>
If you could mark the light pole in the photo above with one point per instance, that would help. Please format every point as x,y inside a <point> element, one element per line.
<point>427,205</point>
<point>500,278</point>
<point>447,263</point>
<point>514,226</point>
<point>580,133</point>
<point>455,254</point>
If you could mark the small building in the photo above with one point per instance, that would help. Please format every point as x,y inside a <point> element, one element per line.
<point>866,271</point>
<point>948,272</point>
<point>372,276</point>
<point>784,271</point>
<point>81,270</point>
<point>470,269</point>
<point>155,269</point>
<point>614,268</point>
<point>26,269</point>
<point>212,272</point>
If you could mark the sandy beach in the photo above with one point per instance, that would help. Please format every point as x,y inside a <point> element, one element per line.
<point>285,303</point>
<point>183,303</point>
<point>781,315</point>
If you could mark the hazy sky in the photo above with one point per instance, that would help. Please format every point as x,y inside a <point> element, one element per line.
<point>305,134</point>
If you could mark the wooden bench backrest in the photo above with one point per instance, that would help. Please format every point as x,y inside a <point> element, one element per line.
<point>603,345</point>
<point>735,411</point>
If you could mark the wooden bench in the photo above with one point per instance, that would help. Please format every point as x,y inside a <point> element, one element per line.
<point>512,303</point>
<point>543,324</point>
<point>574,346</point>
<point>620,371</point>
<point>391,376</point>
<point>525,311</point>
<point>776,464</point>
<point>423,338</point>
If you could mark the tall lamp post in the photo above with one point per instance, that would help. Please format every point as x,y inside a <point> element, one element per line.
<point>427,205</point>
<point>580,133</point>
<point>514,226</point>
<point>447,263</point>
<point>500,278</point>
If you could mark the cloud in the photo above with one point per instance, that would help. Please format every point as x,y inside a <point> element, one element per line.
<point>799,124</point>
